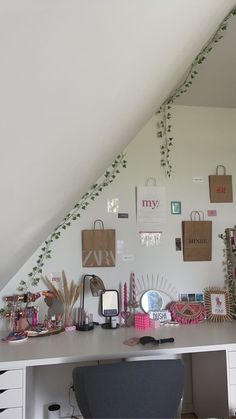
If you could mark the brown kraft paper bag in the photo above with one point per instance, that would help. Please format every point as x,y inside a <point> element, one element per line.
<point>220,187</point>
<point>98,247</point>
<point>197,239</point>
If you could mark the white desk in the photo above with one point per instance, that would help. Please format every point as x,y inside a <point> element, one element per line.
<point>213,347</point>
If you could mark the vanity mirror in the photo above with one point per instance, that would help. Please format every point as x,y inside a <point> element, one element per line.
<point>110,307</point>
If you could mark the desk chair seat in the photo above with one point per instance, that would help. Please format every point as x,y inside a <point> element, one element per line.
<point>139,389</point>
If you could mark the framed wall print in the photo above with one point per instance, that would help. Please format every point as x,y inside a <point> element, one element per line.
<point>217,304</point>
<point>175,207</point>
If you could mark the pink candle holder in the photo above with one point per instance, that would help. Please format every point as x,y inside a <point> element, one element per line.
<point>125,315</point>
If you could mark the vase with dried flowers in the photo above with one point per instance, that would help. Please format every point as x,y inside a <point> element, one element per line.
<point>68,296</point>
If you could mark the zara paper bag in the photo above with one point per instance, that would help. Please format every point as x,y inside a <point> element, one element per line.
<point>197,239</point>
<point>98,247</point>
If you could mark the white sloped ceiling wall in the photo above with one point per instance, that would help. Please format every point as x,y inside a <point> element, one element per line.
<point>78,79</point>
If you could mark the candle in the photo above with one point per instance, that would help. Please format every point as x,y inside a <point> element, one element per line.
<point>125,297</point>
<point>133,288</point>
<point>120,297</point>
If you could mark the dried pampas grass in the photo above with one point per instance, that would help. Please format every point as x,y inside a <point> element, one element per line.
<point>69,294</point>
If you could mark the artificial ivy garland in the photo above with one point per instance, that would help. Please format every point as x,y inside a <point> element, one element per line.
<point>164,126</point>
<point>229,269</point>
<point>46,251</point>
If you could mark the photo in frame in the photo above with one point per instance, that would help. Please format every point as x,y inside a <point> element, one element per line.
<point>217,304</point>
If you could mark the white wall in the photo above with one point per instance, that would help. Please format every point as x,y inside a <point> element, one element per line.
<point>204,137</point>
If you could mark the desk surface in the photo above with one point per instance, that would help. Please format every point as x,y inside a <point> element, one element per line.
<point>103,344</point>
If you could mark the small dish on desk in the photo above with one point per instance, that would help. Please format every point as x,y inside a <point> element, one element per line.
<point>37,332</point>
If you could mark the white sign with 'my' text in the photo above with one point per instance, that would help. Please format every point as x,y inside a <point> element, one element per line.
<point>151,204</point>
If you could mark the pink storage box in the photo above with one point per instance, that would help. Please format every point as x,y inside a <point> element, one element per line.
<point>154,324</point>
<point>141,321</point>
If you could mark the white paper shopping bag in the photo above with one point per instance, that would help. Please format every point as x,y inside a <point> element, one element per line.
<point>151,204</point>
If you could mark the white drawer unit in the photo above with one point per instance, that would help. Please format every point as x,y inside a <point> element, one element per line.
<point>12,394</point>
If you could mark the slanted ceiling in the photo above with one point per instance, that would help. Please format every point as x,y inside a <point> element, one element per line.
<point>79,78</point>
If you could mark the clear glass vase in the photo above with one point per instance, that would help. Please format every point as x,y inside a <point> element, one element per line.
<point>68,316</point>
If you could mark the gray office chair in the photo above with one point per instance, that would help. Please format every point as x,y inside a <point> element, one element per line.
<point>139,389</point>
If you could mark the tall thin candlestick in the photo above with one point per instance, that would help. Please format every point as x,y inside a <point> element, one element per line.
<point>125,297</point>
<point>133,288</point>
<point>120,297</point>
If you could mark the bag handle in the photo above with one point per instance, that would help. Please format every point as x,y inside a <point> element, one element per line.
<point>101,224</point>
<point>223,167</point>
<point>153,179</point>
<point>198,213</point>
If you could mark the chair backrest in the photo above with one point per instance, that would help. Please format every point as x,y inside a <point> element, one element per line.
<point>138,389</point>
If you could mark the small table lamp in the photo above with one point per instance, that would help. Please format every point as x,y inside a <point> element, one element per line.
<point>97,287</point>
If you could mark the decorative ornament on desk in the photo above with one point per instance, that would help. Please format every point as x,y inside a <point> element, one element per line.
<point>68,297</point>
<point>218,304</point>
<point>187,312</point>
<point>158,283</point>
<point>133,303</point>
<point>125,313</point>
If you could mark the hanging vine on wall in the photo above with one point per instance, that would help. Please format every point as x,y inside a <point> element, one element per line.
<point>164,131</point>
<point>46,251</point>
<point>229,277</point>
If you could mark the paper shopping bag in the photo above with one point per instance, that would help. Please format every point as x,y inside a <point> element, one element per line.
<point>197,239</point>
<point>98,247</point>
<point>220,187</point>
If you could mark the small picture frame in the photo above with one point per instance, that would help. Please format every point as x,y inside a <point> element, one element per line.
<point>183,297</point>
<point>217,304</point>
<point>200,297</point>
<point>175,207</point>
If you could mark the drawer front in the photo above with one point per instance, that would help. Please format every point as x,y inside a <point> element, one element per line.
<point>232,394</point>
<point>232,376</point>
<point>11,379</point>
<point>232,359</point>
<point>14,413</point>
<point>11,398</point>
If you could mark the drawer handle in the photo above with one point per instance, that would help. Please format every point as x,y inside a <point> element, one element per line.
<point>3,372</point>
<point>2,391</point>
<point>2,410</point>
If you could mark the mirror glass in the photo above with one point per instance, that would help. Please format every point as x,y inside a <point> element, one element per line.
<point>110,303</point>
<point>151,300</point>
